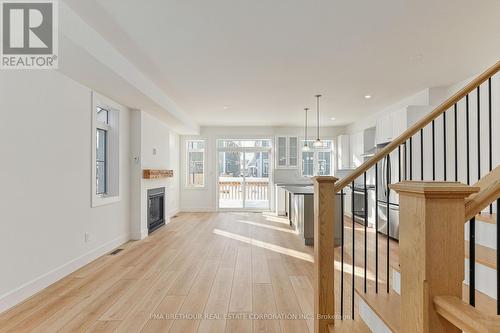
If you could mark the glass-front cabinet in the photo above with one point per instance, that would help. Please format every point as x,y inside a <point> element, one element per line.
<point>287,149</point>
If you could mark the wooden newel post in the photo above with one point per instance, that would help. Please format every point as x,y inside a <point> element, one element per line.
<point>324,210</point>
<point>431,250</point>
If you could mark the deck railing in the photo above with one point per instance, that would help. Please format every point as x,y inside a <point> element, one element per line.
<point>254,190</point>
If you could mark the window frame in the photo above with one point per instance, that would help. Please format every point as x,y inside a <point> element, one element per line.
<point>316,152</point>
<point>113,144</point>
<point>105,129</point>
<point>187,183</point>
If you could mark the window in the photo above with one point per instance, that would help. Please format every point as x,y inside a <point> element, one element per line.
<point>195,163</point>
<point>105,154</point>
<point>101,161</point>
<point>102,158</point>
<point>317,161</point>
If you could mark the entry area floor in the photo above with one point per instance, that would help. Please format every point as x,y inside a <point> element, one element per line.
<point>203,272</point>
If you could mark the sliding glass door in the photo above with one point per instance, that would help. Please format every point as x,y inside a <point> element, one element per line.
<point>231,179</point>
<point>243,177</point>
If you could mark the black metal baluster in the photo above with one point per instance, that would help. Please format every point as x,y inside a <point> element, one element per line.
<point>342,256</point>
<point>406,162</point>
<point>421,154</point>
<point>445,171</point>
<point>490,131</point>
<point>411,158</point>
<point>467,137</point>
<point>388,167</point>
<point>376,228</point>
<point>472,261</point>
<point>366,226</point>
<point>433,150</point>
<point>399,163</point>
<point>456,141</point>
<point>353,253</point>
<point>478,134</point>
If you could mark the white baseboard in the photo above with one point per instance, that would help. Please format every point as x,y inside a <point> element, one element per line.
<point>29,289</point>
<point>174,212</point>
<point>198,210</point>
<point>139,235</point>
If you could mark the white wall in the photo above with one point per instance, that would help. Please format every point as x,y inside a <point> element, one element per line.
<point>205,199</point>
<point>154,146</point>
<point>45,177</point>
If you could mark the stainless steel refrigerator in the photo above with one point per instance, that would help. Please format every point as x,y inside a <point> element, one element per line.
<point>388,170</point>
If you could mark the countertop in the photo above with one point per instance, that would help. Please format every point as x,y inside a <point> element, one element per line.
<point>294,189</point>
<point>300,190</point>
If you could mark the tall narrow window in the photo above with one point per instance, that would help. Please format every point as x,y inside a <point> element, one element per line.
<point>105,143</point>
<point>101,161</point>
<point>195,163</point>
<point>102,148</point>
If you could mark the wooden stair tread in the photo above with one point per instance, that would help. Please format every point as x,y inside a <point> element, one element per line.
<point>484,303</point>
<point>387,306</point>
<point>464,316</point>
<point>484,255</point>
<point>487,218</point>
<point>349,326</point>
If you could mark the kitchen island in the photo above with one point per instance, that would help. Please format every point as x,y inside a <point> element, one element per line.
<point>299,207</point>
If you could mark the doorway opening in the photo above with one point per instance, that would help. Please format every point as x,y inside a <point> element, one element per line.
<point>244,168</point>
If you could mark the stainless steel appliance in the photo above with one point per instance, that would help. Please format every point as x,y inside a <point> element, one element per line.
<point>388,200</point>
<point>359,203</point>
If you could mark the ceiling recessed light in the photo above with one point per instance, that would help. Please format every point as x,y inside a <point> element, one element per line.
<point>368,96</point>
<point>333,118</point>
<point>226,107</point>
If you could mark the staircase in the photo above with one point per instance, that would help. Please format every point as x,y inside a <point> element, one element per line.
<point>442,276</point>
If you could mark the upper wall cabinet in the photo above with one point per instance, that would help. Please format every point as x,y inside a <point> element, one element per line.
<point>384,132</point>
<point>343,152</point>
<point>287,149</point>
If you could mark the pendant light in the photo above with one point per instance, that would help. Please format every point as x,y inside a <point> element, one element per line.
<point>306,146</point>
<point>318,142</point>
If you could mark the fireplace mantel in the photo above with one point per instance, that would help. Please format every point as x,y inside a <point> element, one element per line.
<point>156,174</point>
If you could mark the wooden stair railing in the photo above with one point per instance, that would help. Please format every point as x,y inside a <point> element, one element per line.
<point>490,191</point>
<point>325,207</point>
<point>358,172</point>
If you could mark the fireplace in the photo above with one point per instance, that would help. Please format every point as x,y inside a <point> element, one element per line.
<point>156,208</point>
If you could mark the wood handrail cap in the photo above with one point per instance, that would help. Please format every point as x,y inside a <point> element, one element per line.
<point>325,179</point>
<point>434,189</point>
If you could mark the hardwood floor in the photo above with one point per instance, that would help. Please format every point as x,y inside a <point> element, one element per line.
<point>226,265</point>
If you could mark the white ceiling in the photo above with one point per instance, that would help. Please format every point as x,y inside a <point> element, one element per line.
<point>259,62</point>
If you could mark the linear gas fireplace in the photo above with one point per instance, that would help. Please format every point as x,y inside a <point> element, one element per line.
<point>156,208</point>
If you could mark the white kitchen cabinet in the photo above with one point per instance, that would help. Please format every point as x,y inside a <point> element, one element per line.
<point>348,201</point>
<point>287,150</point>
<point>343,152</point>
<point>384,131</point>
<point>293,149</point>
<point>357,149</point>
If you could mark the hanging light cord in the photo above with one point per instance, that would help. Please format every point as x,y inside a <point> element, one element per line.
<point>317,114</point>
<point>306,109</point>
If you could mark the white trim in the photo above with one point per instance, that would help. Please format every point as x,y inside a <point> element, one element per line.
<point>315,152</point>
<point>187,164</point>
<point>31,288</point>
<point>139,235</point>
<point>112,107</point>
<point>198,210</point>
<point>268,150</point>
